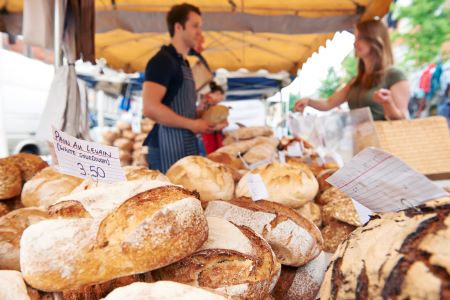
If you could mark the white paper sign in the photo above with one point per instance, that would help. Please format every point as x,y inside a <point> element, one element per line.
<point>363,212</point>
<point>85,159</point>
<point>282,156</point>
<point>257,187</point>
<point>382,182</point>
<point>294,150</point>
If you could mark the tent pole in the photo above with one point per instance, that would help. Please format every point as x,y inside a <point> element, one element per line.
<point>57,59</point>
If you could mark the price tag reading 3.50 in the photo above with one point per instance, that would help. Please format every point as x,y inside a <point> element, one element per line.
<point>87,159</point>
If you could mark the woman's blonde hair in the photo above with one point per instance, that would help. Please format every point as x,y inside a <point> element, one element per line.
<point>377,36</point>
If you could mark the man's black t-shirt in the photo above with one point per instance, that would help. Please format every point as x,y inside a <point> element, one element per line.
<point>164,68</point>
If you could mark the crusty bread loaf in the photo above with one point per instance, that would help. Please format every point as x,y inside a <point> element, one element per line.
<point>12,286</point>
<point>29,164</point>
<point>303,282</point>
<point>140,138</point>
<point>162,290</point>
<point>246,133</point>
<point>294,239</point>
<point>125,157</point>
<point>47,187</point>
<point>101,290</point>
<point>330,195</point>
<point>150,230</point>
<point>341,210</point>
<point>122,125</point>
<point>396,255</point>
<point>234,260</point>
<point>110,136</point>
<point>210,179</point>
<point>334,233</point>
<point>216,114</point>
<point>10,179</point>
<point>259,152</point>
<point>312,212</point>
<point>233,164</point>
<point>128,134</point>
<point>322,177</point>
<point>4,209</point>
<point>135,172</point>
<point>12,226</point>
<point>97,202</point>
<point>124,144</point>
<point>285,184</point>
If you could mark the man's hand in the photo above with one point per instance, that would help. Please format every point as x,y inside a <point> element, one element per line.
<point>201,126</point>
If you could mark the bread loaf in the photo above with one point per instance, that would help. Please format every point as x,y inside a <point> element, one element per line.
<point>246,133</point>
<point>312,212</point>
<point>322,177</point>
<point>397,255</point>
<point>259,152</point>
<point>303,282</point>
<point>162,290</point>
<point>211,180</point>
<point>330,195</point>
<point>294,239</point>
<point>150,230</point>
<point>341,210</point>
<point>4,209</point>
<point>110,136</point>
<point>123,144</point>
<point>123,125</point>
<point>136,173</point>
<point>128,134</point>
<point>285,184</point>
<point>334,233</point>
<point>47,187</point>
<point>97,202</point>
<point>10,180</point>
<point>234,260</point>
<point>216,114</point>
<point>29,164</point>
<point>233,164</point>
<point>140,138</point>
<point>12,286</point>
<point>12,226</point>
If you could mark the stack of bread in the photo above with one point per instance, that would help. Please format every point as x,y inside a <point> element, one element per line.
<point>130,144</point>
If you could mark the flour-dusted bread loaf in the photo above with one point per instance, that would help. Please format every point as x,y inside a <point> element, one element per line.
<point>210,179</point>
<point>124,144</point>
<point>110,136</point>
<point>29,164</point>
<point>148,231</point>
<point>135,172</point>
<point>162,290</point>
<point>234,260</point>
<point>246,133</point>
<point>97,202</point>
<point>216,114</point>
<point>334,233</point>
<point>294,239</point>
<point>330,195</point>
<point>46,187</point>
<point>397,255</point>
<point>259,152</point>
<point>4,209</point>
<point>12,226</point>
<point>10,180</point>
<point>233,163</point>
<point>289,185</point>
<point>12,286</point>
<point>303,282</point>
<point>312,212</point>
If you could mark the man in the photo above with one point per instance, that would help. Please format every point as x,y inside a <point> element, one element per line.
<point>169,95</point>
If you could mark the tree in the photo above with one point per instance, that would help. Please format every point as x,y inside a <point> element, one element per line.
<point>330,84</point>
<point>429,20</point>
<point>350,67</point>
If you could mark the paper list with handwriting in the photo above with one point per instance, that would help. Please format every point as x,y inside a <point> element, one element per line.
<point>382,182</point>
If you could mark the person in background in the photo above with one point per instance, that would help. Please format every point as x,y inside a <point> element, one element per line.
<point>212,141</point>
<point>169,96</point>
<point>377,85</point>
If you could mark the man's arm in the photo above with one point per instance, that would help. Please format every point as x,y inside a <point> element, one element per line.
<point>153,108</point>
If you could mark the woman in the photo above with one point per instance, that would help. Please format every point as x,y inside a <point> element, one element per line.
<point>377,85</point>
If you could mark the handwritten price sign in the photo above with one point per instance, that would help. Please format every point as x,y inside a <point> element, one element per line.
<point>87,159</point>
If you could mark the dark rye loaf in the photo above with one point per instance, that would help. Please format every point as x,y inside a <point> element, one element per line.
<point>398,255</point>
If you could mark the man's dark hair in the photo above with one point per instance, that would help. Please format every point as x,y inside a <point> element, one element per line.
<point>179,14</point>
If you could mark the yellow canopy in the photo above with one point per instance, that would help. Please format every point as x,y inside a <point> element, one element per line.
<point>252,34</point>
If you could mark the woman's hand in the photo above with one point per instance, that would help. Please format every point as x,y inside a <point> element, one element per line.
<point>221,126</point>
<point>382,96</point>
<point>301,104</point>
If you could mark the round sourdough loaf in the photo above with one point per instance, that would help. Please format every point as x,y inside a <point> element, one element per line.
<point>312,212</point>
<point>303,282</point>
<point>216,114</point>
<point>234,260</point>
<point>213,181</point>
<point>12,286</point>
<point>29,164</point>
<point>162,290</point>
<point>12,226</point>
<point>292,186</point>
<point>136,172</point>
<point>10,180</point>
<point>148,231</point>
<point>398,255</point>
<point>47,186</point>
<point>294,239</point>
